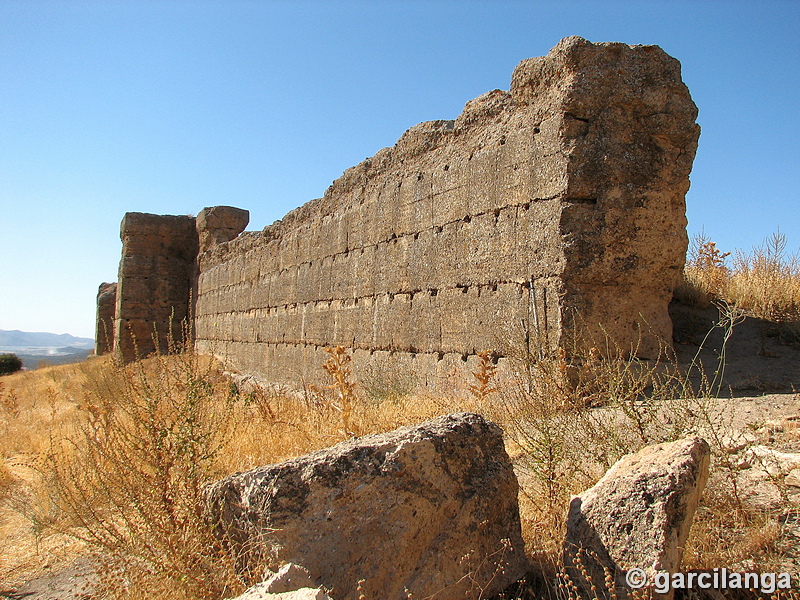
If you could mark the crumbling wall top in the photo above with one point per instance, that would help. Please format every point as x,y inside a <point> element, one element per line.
<point>219,224</point>
<point>576,77</point>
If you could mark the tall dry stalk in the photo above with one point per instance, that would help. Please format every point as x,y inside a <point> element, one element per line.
<point>338,369</point>
<point>484,376</point>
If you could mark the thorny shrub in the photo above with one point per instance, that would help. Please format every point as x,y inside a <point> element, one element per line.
<point>338,369</point>
<point>569,416</point>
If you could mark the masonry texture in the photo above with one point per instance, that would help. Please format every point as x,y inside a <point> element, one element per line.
<point>156,274</point>
<point>106,309</point>
<point>427,511</point>
<point>551,215</point>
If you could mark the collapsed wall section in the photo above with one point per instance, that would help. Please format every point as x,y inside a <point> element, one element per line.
<point>156,275</point>
<point>551,215</point>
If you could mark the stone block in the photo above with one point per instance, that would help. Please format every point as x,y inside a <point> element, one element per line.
<point>637,516</point>
<point>106,315</point>
<point>424,330</point>
<point>441,491</point>
<point>219,224</point>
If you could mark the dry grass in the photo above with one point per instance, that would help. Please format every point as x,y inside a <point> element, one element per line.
<point>128,477</point>
<point>273,424</point>
<point>111,460</point>
<point>765,282</point>
<point>33,407</point>
<point>726,533</point>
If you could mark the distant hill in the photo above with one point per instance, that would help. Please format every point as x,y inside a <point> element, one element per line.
<point>24,339</point>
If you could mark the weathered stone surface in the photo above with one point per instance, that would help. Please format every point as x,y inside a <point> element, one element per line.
<point>106,309</point>
<point>793,478</point>
<point>291,582</point>
<point>219,224</point>
<point>762,467</point>
<point>415,509</point>
<point>156,275</point>
<point>552,212</point>
<point>289,577</point>
<point>257,592</point>
<point>772,462</point>
<point>638,515</point>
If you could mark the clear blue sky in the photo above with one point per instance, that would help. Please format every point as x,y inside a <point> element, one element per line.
<point>167,107</point>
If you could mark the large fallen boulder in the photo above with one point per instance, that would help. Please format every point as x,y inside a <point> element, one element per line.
<point>637,516</point>
<point>429,510</point>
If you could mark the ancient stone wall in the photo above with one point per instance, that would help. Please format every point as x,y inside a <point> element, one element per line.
<point>549,216</point>
<point>106,310</point>
<point>156,275</point>
<point>220,224</point>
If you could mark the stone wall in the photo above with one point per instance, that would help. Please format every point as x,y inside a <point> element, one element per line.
<point>156,275</point>
<point>553,213</point>
<point>549,216</point>
<point>106,310</point>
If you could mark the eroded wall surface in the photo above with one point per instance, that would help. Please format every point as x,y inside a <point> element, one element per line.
<point>550,215</point>
<point>156,275</point>
<point>106,310</point>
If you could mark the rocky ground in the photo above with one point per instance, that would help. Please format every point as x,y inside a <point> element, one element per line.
<point>759,368</point>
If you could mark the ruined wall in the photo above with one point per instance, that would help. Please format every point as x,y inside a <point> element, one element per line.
<point>552,214</point>
<point>219,224</point>
<point>106,310</point>
<point>156,275</point>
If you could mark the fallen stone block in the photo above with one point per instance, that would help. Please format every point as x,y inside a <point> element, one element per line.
<point>637,516</point>
<point>291,582</point>
<point>429,510</point>
<point>289,577</point>
<point>773,462</point>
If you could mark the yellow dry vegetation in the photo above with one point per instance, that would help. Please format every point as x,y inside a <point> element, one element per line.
<point>765,282</point>
<point>110,458</point>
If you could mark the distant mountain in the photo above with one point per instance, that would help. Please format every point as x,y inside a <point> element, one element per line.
<point>23,339</point>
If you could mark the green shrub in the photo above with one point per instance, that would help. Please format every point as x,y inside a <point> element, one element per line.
<point>10,363</point>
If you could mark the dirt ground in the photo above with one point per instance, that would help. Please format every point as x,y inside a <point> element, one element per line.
<point>760,357</point>
<point>757,392</point>
<point>69,580</point>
